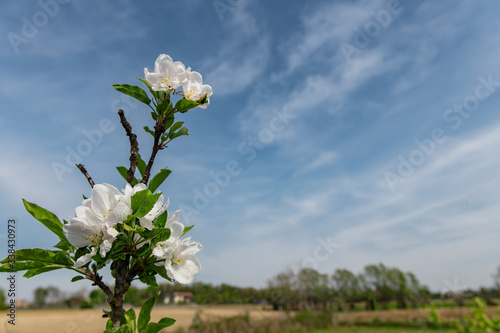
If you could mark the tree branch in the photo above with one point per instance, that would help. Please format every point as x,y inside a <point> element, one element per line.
<point>113,302</point>
<point>159,129</point>
<point>134,147</point>
<point>85,173</point>
<point>121,287</point>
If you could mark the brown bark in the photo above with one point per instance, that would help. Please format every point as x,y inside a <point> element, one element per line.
<point>85,173</point>
<point>121,287</point>
<point>134,147</point>
<point>159,129</point>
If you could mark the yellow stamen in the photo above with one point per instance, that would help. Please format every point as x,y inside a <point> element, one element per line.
<point>179,261</point>
<point>191,92</point>
<point>107,213</point>
<point>93,240</point>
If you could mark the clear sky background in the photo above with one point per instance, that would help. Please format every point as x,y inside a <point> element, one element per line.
<point>371,126</point>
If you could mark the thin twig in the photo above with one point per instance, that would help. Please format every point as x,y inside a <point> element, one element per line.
<point>134,147</point>
<point>85,173</point>
<point>159,129</point>
<point>97,279</point>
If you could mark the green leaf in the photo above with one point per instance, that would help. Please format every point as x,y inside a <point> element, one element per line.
<point>158,179</point>
<point>142,251</point>
<point>77,278</point>
<point>164,107</point>
<point>148,279</point>
<point>125,329</point>
<point>123,171</point>
<point>169,120</point>
<point>147,129</point>
<point>161,271</point>
<point>133,91</point>
<point>182,131</point>
<point>157,327</point>
<point>26,266</point>
<point>35,271</point>
<point>100,260</point>
<point>145,314</point>
<point>186,229</point>
<point>48,219</point>
<point>42,256</point>
<point>116,252</point>
<point>159,235</point>
<point>185,105</point>
<point>64,245</point>
<point>130,319</point>
<point>138,198</point>
<point>36,261</point>
<point>146,205</point>
<point>153,92</point>
<point>109,323</point>
<point>141,165</point>
<point>176,126</point>
<point>166,320</point>
<point>159,222</point>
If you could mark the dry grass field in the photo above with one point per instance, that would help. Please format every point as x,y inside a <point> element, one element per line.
<point>91,321</point>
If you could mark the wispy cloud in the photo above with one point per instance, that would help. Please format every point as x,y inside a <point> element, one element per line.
<point>238,65</point>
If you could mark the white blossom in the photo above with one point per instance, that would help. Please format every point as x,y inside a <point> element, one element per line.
<point>168,75</point>
<point>182,264</point>
<point>108,204</point>
<point>87,229</point>
<point>195,90</point>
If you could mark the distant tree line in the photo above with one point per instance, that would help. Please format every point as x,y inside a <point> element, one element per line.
<point>376,287</point>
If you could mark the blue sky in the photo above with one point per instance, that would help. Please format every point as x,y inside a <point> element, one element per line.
<point>368,126</point>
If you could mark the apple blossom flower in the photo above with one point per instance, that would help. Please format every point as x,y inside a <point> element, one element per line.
<point>181,264</point>
<point>168,75</point>
<point>178,255</point>
<point>162,249</point>
<point>88,229</point>
<point>94,221</point>
<point>195,90</point>
<point>107,203</point>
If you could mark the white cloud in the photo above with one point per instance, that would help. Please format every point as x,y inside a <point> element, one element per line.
<point>324,158</point>
<point>327,26</point>
<point>238,66</point>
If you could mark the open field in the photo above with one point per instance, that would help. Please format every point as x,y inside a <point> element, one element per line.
<point>91,321</point>
<point>379,330</point>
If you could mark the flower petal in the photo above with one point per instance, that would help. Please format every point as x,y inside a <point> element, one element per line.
<point>78,233</point>
<point>119,213</point>
<point>146,223</point>
<point>83,260</point>
<point>103,198</point>
<point>176,230</point>
<point>173,218</point>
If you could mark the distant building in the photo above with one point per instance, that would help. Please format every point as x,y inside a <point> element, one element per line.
<point>22,304</point>
<point>185,297</point>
